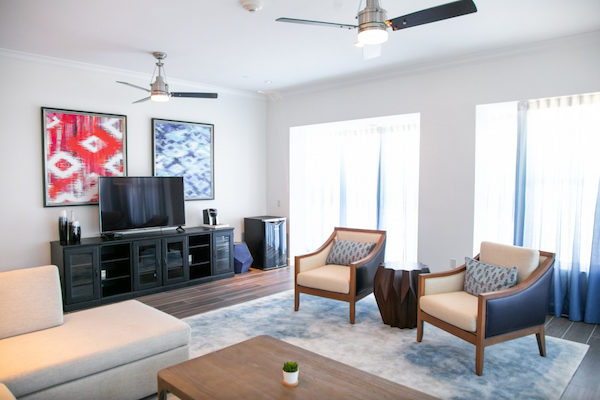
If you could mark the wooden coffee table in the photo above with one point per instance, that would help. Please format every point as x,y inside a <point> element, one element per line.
<point>252,370</point>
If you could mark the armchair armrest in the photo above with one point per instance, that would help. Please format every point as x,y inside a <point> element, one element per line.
<point>363,271</point>
<point>315,259</point>
<point>442,282</point>
<point>519,307</point>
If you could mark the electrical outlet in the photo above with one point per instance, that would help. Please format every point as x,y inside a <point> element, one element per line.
<point>278,203</point>
<point>452,263</point>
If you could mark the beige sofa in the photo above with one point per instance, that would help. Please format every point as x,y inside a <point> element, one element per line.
<point>108,352</point>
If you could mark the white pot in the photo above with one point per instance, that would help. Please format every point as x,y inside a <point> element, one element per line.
<point>290,378</point>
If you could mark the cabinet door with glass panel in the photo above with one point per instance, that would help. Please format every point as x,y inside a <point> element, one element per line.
<point>147,264</point>
<point>81,274</point>
<point>175,261</point>
<point>222,252</point>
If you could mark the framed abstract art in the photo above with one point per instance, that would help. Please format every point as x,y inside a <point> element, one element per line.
<point>185,149</point>
<point>78,147</point>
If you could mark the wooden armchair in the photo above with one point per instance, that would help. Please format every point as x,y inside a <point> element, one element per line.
<point>314,276</point>
<point>492,317</point>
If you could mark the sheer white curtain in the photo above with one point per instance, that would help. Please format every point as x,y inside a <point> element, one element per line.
<point>362,175</point>
<point>495,170</point>
<point>560,178</point>
<point>399,190</point>
<point>537,185</point>
<point>562,173</point>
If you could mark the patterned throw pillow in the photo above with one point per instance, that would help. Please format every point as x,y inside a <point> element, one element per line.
<point>483,278</point>
<point>345,252</point>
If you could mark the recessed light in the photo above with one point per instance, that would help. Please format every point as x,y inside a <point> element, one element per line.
<point>268,81</point>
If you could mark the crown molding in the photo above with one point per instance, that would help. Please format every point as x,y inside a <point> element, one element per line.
<point>120,73</point>
<point>581,40</point>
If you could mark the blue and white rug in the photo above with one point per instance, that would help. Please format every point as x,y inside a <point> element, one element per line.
<point>441,365</point>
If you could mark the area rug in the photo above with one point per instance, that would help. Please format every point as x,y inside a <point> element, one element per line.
<point>441,365</point>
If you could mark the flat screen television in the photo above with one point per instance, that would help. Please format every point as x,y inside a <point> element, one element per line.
<point>130,203</point>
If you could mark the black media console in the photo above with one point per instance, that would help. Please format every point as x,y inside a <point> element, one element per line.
<point>102,270</point>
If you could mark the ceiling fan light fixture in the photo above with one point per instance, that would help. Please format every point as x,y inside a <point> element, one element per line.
<point>372,28</point>
<point>160,88</point>
<point>373,35</point>
<point>160,97</point>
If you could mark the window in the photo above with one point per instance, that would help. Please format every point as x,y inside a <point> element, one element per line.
<point>537,185</point>
<point>360,174</point>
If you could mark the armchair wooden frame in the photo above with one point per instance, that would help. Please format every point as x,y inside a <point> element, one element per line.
<point>481,338</point>
<point>370,263</point>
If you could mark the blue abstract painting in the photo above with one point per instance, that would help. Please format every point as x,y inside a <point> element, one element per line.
<point>186,149</point>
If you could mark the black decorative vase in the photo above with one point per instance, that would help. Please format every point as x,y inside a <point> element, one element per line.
<point>74,233</point>
<point>63,228</point>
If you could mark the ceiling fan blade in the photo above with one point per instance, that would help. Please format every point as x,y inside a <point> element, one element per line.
<point>433,14</point>
<point>307,22</point>
<point>195,95</point>
<point>142,100</point>
<point>370,51</point>
<point>135,86</point>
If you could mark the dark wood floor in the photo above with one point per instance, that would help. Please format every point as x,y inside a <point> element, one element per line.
<point>223,293</point>
<point>256,283</point>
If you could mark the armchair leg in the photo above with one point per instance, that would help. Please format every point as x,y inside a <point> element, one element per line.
<point>479,350</point>
<point>296,299</point>
<point>419,330</point>
<point>352,311</point>
<point>541,340</point>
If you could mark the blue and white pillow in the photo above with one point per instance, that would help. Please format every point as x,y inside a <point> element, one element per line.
<point>345,252</point>
<point>484,278</point>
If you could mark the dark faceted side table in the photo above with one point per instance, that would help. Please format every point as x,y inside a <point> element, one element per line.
<point>396,287</point>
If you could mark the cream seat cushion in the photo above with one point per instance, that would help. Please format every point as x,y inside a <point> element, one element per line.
<point>456,308</point>
<point>333,278</point>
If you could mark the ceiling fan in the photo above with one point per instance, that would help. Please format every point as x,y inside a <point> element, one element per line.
<point>373,23</point>
<point>159,90</point>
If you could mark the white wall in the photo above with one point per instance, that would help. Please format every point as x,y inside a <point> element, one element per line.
<point>446,96</point>
<point>29,83</point>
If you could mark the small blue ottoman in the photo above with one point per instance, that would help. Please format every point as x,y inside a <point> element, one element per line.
<point>242,259</point>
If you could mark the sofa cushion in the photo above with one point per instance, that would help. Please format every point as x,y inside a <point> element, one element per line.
<point>456,308</point>
<point>30,300</point>
<point>333,278</point>
<point>504,255</point>
<point>484,278</point>
<point>88,342</point>
<point>345,252</point>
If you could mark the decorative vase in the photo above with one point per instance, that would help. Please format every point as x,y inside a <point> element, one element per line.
<point>63,227</point>
<point>290,378</point>
<point>74,232</point>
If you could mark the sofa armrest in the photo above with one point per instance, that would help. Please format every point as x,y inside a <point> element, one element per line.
<point>5,394</point>
<point>522,306</point>
<point>30,300</point>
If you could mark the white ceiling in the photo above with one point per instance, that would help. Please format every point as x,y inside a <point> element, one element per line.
<point>218,43</point>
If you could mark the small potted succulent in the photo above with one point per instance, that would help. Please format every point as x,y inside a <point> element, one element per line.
<point>290,373</point>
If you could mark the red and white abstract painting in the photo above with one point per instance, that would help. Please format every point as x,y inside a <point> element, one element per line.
<point>78,148</point>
